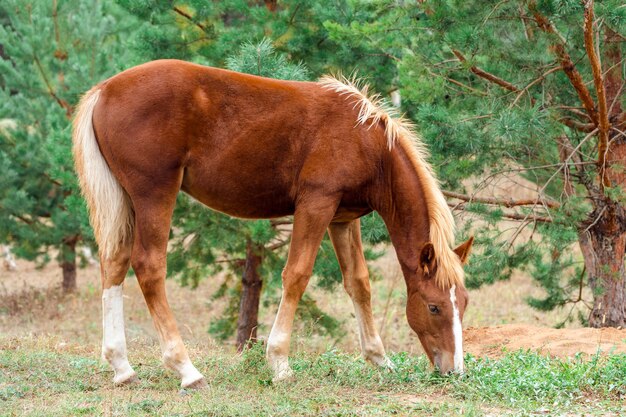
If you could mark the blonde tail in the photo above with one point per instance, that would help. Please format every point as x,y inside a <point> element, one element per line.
<point>110,210</point>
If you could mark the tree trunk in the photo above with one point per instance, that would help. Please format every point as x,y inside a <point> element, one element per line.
<point>250,297</point>
<point>68,265</point>
<point>603,247</point>
<point>604,244</point>
<point>606,247</point>
<point>603,237</point>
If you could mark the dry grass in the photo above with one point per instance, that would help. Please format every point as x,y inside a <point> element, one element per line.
<point>31,303</point>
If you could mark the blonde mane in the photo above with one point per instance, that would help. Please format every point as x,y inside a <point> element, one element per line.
<point>400,131</point>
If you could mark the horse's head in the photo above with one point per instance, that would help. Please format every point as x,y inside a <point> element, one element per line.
<point>436,313</point>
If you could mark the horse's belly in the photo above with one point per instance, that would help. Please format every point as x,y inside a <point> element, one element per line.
<point>240,199</point>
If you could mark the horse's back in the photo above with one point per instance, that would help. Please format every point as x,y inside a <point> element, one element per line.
<point>241,144</point>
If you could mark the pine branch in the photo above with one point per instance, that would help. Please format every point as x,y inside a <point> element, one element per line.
<point>455,82</point>
<point>574,110</point>
<point>486,75</point>
<point>64,104</point>
<point>26,220</point>
<point>567,159</point>
<point>577,125</point>
<point>187,16</point>
<point>566,61</point>
<point>565,148</point>
<point>293,15</point>
<point>460,84</point>
<point>535,81</point>
<point>528,30</point>
<point>512,216</point>
<point>501,201</point>
<point>527,217</point>
<point>598,81</point>
<point>278,245</point>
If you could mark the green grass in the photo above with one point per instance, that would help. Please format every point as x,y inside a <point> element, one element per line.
<point>40,378</point>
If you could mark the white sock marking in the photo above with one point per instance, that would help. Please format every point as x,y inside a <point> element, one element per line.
<point>277,346</point>
<point>188,373</point>
<point>457,330</point>
<point>279,339</point>
<point>113,336</point>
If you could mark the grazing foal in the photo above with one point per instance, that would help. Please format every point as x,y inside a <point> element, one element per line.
<point>255,148</point>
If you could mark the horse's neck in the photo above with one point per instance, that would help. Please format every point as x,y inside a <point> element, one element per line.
<point>401,203</point>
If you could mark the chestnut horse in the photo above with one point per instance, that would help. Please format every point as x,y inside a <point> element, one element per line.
<point>255,148</point>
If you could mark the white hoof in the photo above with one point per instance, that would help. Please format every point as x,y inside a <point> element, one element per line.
<point>191,377</point>
<point>387,364</point>
<point>125,376</point>
<point>198,384</point>
<point>285,374</point>
<point>381,361</point>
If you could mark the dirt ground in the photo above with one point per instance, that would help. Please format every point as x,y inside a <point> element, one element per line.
<point>497,319</point>
<point>493,341</point>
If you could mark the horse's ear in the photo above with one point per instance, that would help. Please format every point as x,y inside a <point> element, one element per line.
<point>464,249</point>
<point>427,259</point>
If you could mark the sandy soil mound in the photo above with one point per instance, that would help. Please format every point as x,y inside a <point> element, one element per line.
<point>491,341</point>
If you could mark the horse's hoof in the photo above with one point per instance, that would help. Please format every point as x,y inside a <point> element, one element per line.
<point>387,365</point>
<point>283,376</point>
<point>382,362</point>
<point>197,384</point>
<point>127,378</point>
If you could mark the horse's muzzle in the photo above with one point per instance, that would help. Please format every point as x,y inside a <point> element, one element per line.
<point>445,363</point>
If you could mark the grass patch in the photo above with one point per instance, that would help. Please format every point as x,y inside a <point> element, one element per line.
<point>37,378</point>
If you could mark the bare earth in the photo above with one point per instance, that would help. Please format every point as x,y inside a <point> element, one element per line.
<point>494,341</point>
<point>31,304</point>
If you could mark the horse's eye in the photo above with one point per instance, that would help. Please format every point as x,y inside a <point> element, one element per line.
<point>433,309</point>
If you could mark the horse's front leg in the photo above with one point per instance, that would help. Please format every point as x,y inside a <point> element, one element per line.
<point>310,222</point>
<point>346,239</point>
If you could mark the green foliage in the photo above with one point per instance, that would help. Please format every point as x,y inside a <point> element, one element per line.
<point>52,53</point>
<point>525,376</point>
<point>373,229</point>
<point>475,128</point>
<point>261,59</point>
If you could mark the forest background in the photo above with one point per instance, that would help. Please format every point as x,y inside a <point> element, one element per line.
<point>527,94</point>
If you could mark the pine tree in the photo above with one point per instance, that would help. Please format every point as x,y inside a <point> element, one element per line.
<point>52,53</point>
<point>530,89</point>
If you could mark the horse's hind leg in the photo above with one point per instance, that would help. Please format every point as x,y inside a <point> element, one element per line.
<point>153,212</point>
<point>113,271</point>
<point>346,239</point>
